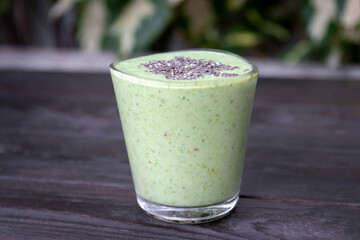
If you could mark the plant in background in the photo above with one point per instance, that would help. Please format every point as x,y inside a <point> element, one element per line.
<point>129,26</point>
<point>333,30</point>
<point>132,26</point>
<point>322,30</point>
<point>240,26</point>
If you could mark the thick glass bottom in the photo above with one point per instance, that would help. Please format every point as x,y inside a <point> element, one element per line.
<point>187,215</point>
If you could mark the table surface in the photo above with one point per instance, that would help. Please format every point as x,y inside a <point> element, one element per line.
<point>64,171</point>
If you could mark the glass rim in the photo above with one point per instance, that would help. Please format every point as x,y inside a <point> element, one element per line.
<point>186,83</point>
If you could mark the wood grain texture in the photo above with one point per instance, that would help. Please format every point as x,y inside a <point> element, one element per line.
<point>64,172</point>
<point>251,219</point>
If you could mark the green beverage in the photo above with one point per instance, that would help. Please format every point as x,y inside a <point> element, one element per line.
<point>185,117</point>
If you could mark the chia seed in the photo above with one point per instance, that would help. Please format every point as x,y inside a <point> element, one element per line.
<point>183,68</point>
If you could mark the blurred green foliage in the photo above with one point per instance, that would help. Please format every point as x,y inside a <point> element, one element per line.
<point>245,27</point>
<point>325,30</point>
<point>332,32</point>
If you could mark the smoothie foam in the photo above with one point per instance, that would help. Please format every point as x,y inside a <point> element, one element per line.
<point>185,139</point>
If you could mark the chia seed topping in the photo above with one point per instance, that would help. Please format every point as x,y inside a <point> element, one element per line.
<point>183,68</point>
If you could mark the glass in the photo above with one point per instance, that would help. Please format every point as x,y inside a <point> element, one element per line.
<point>186,141</point>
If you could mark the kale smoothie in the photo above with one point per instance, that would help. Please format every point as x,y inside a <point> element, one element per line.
<point>185,117</point>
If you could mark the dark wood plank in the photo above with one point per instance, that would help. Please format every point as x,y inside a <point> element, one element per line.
<point>293,153</point>
<point>338,122</point>
<point>269,172</point>
<point>308,92</point>
<point>64,172</point>
<point>78,198</point>
<point>49,218</point>
<point>54,85</point>
<point>302,174</point>
<point>98,87</point>
<point>317,138</point>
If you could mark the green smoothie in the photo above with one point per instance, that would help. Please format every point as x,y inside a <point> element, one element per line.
<point>185,139</point>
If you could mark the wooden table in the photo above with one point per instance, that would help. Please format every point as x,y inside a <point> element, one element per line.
<point>64,171</point>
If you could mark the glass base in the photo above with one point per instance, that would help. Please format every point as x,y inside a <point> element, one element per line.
<point>187,215</point>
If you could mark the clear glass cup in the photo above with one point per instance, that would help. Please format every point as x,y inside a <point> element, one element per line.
<point>186,142</point>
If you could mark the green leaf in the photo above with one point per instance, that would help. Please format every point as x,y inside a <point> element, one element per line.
<point>110,41</point>
<point>235,5</point>
<point>139,24</point>
<point>153,26</point>
<point>275,30</point>
<point>243,39</point>
<point>4,5</point>
<point>298,52</point>
<point>115,7</point>
<point>269,28</point>
<point>92,25</point>
<point>60,7</point>
<point>199,15</point>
